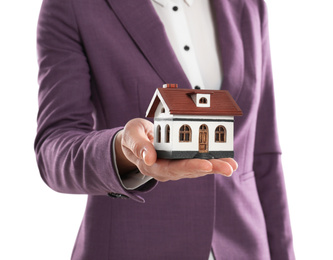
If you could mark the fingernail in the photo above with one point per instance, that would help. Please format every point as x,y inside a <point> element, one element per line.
<point>236,167</point>
<point>143,155</point>
<point>229,174</point>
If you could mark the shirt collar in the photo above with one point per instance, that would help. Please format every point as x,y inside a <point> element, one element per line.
<point>164,2</point>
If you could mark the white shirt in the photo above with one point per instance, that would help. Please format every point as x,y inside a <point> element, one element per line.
<point>189,26</point>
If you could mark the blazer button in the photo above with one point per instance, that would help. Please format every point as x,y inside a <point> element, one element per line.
<point>117,195</point>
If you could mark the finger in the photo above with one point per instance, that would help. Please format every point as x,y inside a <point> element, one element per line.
<point>165,170</point>
<point>222,167</point>
<point>231,161</point>
<point>149,155</point>
<point>190,167</point>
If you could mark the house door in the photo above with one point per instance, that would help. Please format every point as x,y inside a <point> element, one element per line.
<point>203,139</point>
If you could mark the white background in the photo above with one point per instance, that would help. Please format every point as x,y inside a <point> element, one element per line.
<point>38,223</point>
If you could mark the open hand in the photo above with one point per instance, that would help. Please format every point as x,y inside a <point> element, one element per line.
<point>135,149</point>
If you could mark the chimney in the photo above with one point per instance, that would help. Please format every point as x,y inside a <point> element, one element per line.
<point>170,86</point>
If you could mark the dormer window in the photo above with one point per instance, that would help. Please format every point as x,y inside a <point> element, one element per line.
<point>162,110</point>
<point>203,100</point>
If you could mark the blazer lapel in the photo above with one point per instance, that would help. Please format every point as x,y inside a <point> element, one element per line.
<point>143,24</point>
<point>228,27</point>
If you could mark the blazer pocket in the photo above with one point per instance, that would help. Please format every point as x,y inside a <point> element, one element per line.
<point>246,176</point>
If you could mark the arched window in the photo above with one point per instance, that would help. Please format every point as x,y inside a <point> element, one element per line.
<point>158,134</point>
<point>185,133</point>
<point>220,134</point>
<point>163,110</point>
<point>203,100</point>
<point>167,134</point>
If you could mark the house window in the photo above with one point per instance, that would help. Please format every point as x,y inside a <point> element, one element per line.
<point>185,133</point>
<point>167,134</point>
<point>203,100</point>
<point>220,134</point>
<point>158,134</point>
<point>163,110</point>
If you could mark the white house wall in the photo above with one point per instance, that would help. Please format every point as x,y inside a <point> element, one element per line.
<point>158,110</point>
<point>162,119</point>
<point>175,123</point>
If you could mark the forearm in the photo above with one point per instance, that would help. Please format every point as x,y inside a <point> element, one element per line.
<point>73,161</point>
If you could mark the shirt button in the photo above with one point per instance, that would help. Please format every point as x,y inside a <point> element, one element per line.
<point>186,48</point>
<point>175,8</point>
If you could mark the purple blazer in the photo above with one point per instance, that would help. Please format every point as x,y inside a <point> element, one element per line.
<point>100,63</point>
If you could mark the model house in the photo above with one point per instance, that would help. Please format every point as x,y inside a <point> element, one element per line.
<point>191,123</point>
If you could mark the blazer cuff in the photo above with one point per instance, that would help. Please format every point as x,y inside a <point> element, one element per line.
<point>134,183</point>
<point>132,180</point>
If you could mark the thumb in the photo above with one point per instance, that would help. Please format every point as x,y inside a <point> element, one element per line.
<point>137,138</point>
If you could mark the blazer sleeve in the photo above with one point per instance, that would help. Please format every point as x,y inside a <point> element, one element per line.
<point>72,156</point>
<point>267,161</point>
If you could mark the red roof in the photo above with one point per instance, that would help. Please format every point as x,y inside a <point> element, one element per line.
<point>179,102</point>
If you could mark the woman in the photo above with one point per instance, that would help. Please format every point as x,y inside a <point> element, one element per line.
<point>100,62</point>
